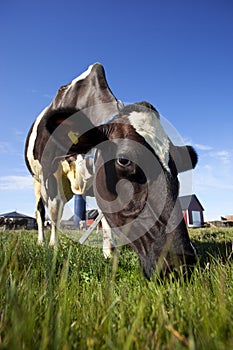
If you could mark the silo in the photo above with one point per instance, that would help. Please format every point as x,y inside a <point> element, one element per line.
<point>79,209</point>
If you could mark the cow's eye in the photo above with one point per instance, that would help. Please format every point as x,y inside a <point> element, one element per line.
<point>123,161</point>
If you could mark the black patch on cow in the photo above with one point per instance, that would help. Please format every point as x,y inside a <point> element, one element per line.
<point>62,122</point>
<point>41,209</point>
<point>26,149</point>
<point>182,158</point>
<point>51,187</point>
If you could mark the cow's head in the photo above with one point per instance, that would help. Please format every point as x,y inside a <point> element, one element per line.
<point>135,181</point>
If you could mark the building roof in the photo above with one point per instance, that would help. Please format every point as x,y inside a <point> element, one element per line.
<point>227,218</point>
<point>186,200</point>
<point>15,215</point>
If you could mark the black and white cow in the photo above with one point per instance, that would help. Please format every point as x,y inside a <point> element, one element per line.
<point>135,181</point>
<point>57,175</point>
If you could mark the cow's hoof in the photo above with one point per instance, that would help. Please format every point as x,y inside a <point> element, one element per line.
<point>109,253</point>
<point>39,242</point>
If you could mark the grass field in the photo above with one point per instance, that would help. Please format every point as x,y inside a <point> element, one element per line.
<point>71,298</point>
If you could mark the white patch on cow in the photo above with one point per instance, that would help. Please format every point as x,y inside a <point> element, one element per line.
<point>109,243</point>
<point>77,173</point>
<point>43,191</point>
<point>37,189</point>
<point>83,75</point>
<point>81,168</point>
<point>55,207</point>
<point>148,126</point>
<point>34,163</point>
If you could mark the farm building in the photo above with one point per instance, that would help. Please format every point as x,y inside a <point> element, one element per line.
<point>91,215</point>
<point>15,220</point>
<point>192,210</point>
<point>227,220</point>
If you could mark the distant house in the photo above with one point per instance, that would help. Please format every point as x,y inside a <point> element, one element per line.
<point>227,220</point>
<point>14,220</point>
<point>192,210</point>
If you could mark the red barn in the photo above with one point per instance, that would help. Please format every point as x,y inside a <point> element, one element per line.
<point>192,210</point>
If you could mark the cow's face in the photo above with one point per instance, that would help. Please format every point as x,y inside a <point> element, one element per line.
<point>136,184</point>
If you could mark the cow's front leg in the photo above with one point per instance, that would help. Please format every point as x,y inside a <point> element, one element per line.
<point>55,209</point>
<point>109,244</point>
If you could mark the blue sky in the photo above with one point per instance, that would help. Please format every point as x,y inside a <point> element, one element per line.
<point>176,54</point>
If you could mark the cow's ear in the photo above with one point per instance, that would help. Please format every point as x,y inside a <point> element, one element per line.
<point>72,131</point>
<point>67,118</point>
<point>182,158</point>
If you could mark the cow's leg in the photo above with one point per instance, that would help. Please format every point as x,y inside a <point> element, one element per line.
<point>109,244</point>
<point>55,207</point>
<point>40,212</point>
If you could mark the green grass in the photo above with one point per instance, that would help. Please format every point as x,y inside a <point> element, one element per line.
<point>71,298</point>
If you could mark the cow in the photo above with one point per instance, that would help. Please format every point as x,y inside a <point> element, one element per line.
<point>13,223</point>
<point>54,187</point>
<point>19,223</point>
<point>135,179</point>
<point>7,223</point>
